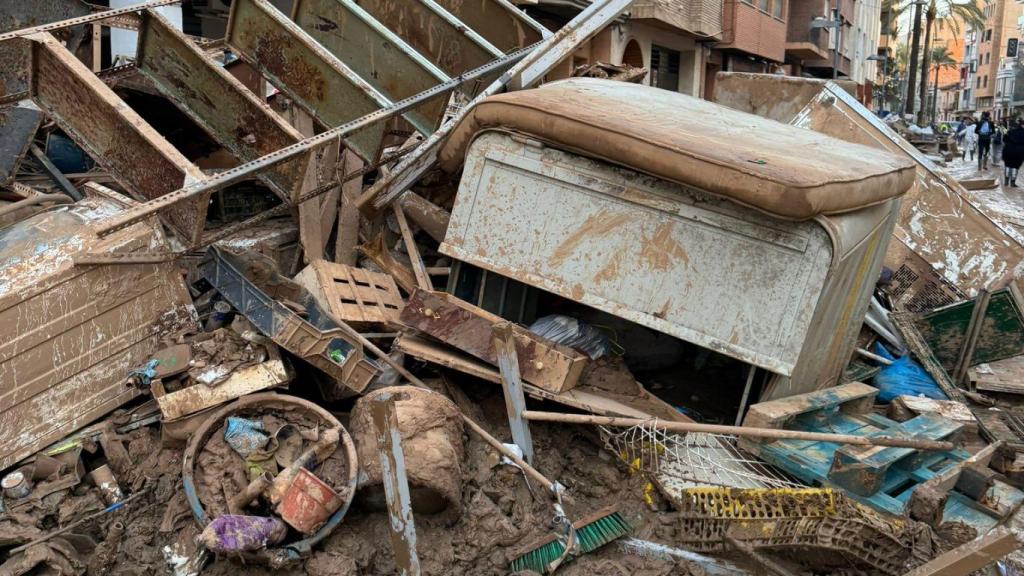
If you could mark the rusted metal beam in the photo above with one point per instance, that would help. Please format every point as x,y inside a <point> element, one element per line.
<point>94,17</point>
<point>373,52</point>
<point>499,21</point>
<point>396,484</point>
<point>204,188</point>
<point>232,115</point>
<point>433,32</point>
<point>113,134</point>
<point>541,60</point>
<point>304,70</point>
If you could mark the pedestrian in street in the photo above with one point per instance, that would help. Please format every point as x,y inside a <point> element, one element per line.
<point>997,141</point>
<point>970,140</point>
<point>1013,153</point>
<point>984,130</point>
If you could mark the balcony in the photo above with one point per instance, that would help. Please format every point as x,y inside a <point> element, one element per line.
<point>701,17</point>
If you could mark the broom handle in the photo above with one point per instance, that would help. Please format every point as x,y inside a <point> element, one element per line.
<point>769,433</point>
<point>484,434</point>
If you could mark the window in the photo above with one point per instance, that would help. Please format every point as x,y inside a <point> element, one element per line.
<point>777,8</point>
<point>977,82</point>
<point>988,57</point>
<point>763,5</point>
<point>988,35</point>
<point>665,68</point>
<point>984,83</point>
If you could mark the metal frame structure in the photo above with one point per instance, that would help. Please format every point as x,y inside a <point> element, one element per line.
<point>350,65</point>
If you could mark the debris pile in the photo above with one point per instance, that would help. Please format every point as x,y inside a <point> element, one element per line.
<point>272,305</point>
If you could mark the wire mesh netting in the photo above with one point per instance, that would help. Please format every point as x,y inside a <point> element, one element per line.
<point>680,461</point>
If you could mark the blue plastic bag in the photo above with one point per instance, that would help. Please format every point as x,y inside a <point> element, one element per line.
<point>245,436</point>
<point>904,377</point>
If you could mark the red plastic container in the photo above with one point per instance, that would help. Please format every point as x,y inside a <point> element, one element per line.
<point>308,502</point>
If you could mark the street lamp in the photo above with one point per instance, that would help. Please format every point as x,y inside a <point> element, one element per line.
<point>885,75</point>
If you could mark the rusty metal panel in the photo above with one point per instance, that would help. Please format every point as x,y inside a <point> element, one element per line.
<point>434,33</point>
<point>15,54</point>
<point>663,255</point>
<point>501,23</point>
<point>374,53</point>
<point>216,101</point>
<point>68,335</point>
<point>961,244</point>
<point>113,134</point>
<point>304,70</point>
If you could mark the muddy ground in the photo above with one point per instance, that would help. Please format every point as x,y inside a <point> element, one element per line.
<point>501,516</point>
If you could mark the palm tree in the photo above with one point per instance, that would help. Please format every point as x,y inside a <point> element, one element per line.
<point>940,58</point>
<point>952,13</point>
<point>955,12</point>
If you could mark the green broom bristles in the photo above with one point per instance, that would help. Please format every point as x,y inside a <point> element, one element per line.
<point>589,536</point>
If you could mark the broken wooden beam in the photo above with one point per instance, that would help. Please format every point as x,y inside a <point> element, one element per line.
<point>973,555</point>
<point>515,401</point>
<point>743,431</point>
<point>543,363</point>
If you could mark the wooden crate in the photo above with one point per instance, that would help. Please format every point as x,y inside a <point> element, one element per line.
<point>358,297</point>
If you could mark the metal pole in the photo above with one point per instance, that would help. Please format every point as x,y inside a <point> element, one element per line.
<point>839,35</point>
<point>746,395</point>
<point>396,484</point>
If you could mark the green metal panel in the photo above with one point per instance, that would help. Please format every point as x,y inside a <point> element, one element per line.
<point>373,52</point>
<point>434,33</point>
<point>310,75</point>
<point>501,23</point>
<point>1002,335</point>
<point>216,101</point>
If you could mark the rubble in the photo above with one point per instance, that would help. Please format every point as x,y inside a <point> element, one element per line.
<point>272,299</point>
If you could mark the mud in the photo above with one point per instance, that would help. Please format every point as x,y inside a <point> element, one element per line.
<point>432,441</point>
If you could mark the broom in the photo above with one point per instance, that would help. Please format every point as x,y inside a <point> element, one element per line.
<point>583,537</point>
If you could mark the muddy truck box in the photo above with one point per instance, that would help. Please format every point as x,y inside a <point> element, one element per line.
<point>739,234</point>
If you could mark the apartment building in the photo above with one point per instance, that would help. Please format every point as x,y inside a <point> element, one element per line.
<point>969,72</point>
<point>993,44</point>
<point>667,37</point>
<point>811,43</point>
<point>753,38</point>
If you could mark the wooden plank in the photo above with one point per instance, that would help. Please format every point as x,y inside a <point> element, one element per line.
<point>512,385</point>
<point>543,363</point>
<point>418,268</point>
<point>396,484</point>
<point>138,157</point>
<point>974,327</point>
<point>1005,376</point>
<point>973,555</point>
<point>379,254</point>
<point>346,245</point>
<point>585,398</point>
<point>244,381</point>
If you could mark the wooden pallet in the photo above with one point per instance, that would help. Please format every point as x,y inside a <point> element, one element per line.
<point>358,297</point>
<point>883,478</point>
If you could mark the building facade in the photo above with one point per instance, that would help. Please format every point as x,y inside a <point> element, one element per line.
<point>811,41</point>
<point>990,57</point>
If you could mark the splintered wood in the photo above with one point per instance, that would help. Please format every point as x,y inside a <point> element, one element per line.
<point>358,297</point>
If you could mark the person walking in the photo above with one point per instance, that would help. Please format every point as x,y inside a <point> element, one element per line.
<point>970,140</point>
<point>984,130</point>
<point>1013,153</point>
<point>997,141</point>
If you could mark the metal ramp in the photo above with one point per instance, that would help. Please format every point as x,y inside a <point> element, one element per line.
<point>352,66</point>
